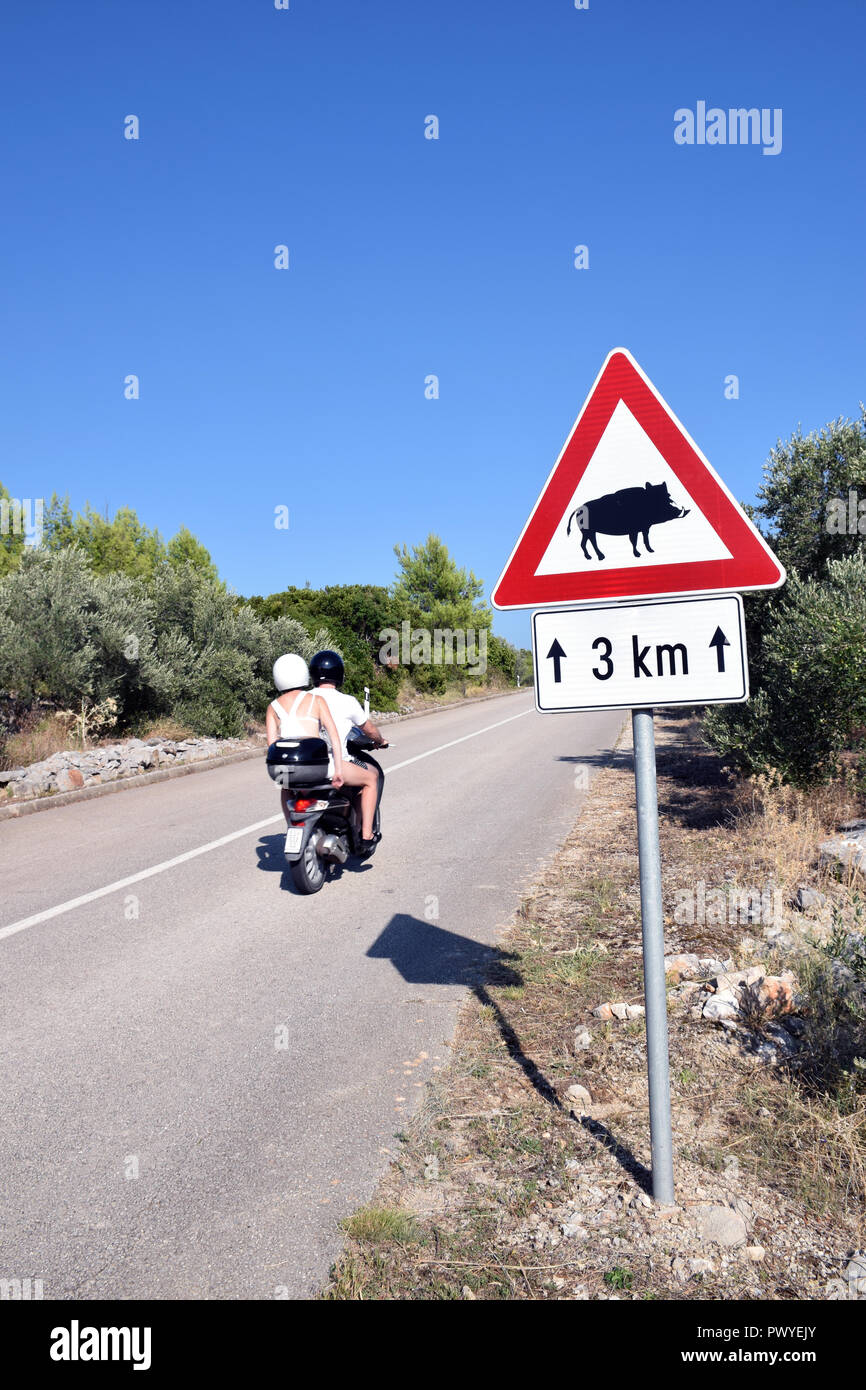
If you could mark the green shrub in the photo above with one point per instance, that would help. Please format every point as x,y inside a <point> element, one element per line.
<point>179,645</point>
<point>807,655</point>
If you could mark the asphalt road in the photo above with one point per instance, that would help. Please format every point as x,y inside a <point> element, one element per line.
<point>203,1072</point>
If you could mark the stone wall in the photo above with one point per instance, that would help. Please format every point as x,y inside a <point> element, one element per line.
<point>67,771</point>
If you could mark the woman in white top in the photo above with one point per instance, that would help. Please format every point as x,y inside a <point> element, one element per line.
<point>298,712</point>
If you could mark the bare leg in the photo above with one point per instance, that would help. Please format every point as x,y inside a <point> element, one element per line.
<point>366,779</point>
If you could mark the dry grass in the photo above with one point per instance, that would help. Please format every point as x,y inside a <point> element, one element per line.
<point>804,1144</point>
<point>39,739</point>
<point>466,689</point>
<point>165,728</point>
<point>776,828</point>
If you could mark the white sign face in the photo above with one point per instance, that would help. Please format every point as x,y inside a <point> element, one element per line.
<point>626,452</point>
<point>636,655</point>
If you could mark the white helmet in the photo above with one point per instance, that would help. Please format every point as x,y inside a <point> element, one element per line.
<point>291,672</point>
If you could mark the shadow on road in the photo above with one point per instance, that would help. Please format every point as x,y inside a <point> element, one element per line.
<point>610,757</point>
<point>425,954</point>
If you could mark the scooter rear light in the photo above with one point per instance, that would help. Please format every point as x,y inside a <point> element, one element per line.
<point>304,804</point>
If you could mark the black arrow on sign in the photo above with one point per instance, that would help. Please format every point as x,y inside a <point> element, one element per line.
<point>557,653</point>
<point>719,641</point>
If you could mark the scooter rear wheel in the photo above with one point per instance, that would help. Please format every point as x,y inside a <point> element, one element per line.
<point>309,872</point>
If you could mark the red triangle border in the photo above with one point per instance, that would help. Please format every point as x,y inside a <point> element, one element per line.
<point>752,566</point>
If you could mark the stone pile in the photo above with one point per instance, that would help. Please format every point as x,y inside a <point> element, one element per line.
<point>69,771</point>
<point>737,999</point>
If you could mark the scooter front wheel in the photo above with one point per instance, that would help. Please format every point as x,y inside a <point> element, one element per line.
<point>309,872</point>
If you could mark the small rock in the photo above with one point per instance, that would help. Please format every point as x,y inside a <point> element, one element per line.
<point>701,1266</point>
<point>582,1039</point>
<point>806,898</point>
<point>680,1269</point>
<point>467,1293</point>
<point>775,992</point>
<point>580,1099</point>
<point>604,1011</point>
<point>573,1230</point>
<point>764,1050</point>
<point>855,1273</point>
<point>843,851</point>
<point>721,1005</point>
<point>720,1226</point>
<point>619,1011</point>
<point>688,988</point>
<point>634,1010</point>
<point>780,1037</point>
<point>837,1290</point>
<point>755,1253</point>
<point>711,966</point>
<point>732,979</point>
<point>684,966</point>
<point>69,779</point>
<point>842,975</point>
<point>431,1168</point>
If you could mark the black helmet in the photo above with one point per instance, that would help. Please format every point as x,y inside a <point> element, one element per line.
<point>327,666</point>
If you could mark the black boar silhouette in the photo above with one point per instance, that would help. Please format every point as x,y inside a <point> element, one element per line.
<point>629,512</point>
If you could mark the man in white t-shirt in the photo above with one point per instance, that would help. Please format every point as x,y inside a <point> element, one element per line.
<point>327,672</point>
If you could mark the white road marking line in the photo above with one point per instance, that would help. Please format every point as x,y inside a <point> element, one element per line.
<point>25,922</point>
<point>510,720</point>
<point>133,878</point>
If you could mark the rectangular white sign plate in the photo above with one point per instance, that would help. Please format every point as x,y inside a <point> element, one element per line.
<point>683,651</point>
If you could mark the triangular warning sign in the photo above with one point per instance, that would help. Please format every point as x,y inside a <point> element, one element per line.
<point>632,509</point>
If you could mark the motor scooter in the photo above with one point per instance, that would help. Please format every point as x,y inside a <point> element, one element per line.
<point>324,821</point>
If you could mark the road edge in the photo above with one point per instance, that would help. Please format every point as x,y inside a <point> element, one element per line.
<point>165,774</point>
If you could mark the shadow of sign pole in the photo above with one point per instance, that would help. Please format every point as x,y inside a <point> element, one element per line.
<point>652,928</point>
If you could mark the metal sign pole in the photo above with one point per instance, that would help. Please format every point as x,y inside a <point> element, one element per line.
<point>652,924</point>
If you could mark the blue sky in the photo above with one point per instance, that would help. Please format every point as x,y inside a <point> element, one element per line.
<point>410,257</point>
